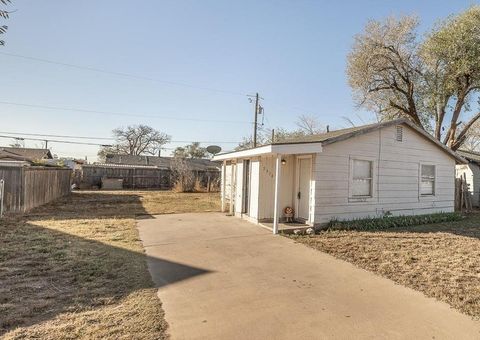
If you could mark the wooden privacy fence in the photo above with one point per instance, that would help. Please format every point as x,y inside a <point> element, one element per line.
<point>139,177</point>
<point>25,188</point>
<point>463,196</point>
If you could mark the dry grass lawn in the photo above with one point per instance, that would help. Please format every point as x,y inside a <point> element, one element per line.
<point>77,269</point>
<point>440,260</point>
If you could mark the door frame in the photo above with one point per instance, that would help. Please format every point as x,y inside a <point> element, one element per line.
<point>246,180</point>
<point>297,185</point>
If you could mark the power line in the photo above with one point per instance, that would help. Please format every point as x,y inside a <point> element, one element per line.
<point>134,76</point>
<point>64,141</point>
<point>121,113</point>
<point>122,74</point>
<point>52,140</point>
<point>101,138</point>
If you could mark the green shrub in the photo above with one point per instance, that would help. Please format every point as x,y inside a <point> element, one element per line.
<point>392,221</point>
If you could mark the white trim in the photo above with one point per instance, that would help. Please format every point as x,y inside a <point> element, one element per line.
<point>224,180</point>
<point>285,149</point>
<point>278,173</point>
<point>373,185</point>
<point>233,185</point>
<point>297,184</point>
<point>426,197</point>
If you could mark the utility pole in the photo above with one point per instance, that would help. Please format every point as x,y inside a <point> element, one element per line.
<point>255,126</point>
<point>46,143</point>
<point>258,110</point>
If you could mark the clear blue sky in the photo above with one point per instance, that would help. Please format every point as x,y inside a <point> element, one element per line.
<point>292,52</point>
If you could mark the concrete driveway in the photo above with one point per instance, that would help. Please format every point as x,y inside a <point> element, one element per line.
<point>223,278</point>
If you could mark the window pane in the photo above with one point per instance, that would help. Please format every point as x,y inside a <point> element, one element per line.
<point>428,171</point>
<point>426,187</point>
<point>362,169</point>
<point>362,187</point>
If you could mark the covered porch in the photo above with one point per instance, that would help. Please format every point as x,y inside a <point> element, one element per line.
<point>259,184</point>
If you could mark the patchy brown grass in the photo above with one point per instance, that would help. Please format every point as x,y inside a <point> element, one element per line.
<point>77,269</point>
<point>440,260</point>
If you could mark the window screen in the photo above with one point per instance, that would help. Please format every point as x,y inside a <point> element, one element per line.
<point>427,180</point>
<point>362,178</point>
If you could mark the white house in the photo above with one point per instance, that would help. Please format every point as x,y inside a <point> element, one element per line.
<point>367,171</point>
<point>471,172</point>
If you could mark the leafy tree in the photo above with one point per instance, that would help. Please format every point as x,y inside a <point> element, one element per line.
<point>136,140</point>
<point>395,74</point>
<point>4,14</point>
<point>193,150</point>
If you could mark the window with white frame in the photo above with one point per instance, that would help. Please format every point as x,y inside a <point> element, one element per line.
<point>362,178</point>
<point>427,180</point>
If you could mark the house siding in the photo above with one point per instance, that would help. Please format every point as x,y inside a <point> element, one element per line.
<point>472,176</point>
<point>267,185</point>
<point>396,176</point>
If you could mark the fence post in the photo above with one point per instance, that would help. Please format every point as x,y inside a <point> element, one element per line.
<point>2,184</point>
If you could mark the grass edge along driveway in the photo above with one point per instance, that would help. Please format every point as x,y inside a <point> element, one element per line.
<point>440,260</point>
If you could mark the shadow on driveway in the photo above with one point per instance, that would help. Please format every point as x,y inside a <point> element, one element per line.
<point>74,256</point>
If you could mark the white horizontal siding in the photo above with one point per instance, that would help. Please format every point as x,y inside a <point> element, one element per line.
<point>471,172</point>
<point>397,176</point>
<point>267,185</point>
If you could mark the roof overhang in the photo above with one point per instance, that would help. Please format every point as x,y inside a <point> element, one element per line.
<point>284,149</point>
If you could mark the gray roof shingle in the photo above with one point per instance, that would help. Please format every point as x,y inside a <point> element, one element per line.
<point>197,164</point>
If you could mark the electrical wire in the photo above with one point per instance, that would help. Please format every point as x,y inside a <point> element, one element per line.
<point>122,74</point>
<point>100,138</point>
<point>122,113</point>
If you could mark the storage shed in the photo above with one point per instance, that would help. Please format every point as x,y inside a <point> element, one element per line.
<point>388,168</point>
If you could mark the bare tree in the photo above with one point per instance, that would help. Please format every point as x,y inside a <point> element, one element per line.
<point>395,75</point>
<point>136,140</point>
<point>306,125</point>
<point>183,177</point>
<point>310,125</point>
<point>4,14</point>
<point>472,140</point>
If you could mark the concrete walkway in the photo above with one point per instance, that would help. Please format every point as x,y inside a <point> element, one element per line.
<point>223,278</point>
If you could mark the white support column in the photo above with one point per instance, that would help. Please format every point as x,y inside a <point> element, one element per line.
<point>224,180</point>
<point>233,184</point>
<point>278,174</point>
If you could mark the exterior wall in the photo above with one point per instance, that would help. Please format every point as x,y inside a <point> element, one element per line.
<point>472,176</point>
<point>254,188</point>
<point>395,177</point>
<point>239,188</point>
<point>267,185</point>
<point>227,181</point>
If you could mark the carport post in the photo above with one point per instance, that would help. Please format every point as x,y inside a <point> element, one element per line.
<point>278,174</point>
<point>224,179</point>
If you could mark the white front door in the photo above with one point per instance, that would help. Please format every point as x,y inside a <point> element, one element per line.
<point>303,189</point>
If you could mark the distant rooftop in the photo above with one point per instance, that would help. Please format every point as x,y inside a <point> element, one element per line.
<point>28,153</point>
<point>197,164</point>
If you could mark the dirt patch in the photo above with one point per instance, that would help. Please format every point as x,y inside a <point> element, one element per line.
<point>77,269</point>
<point>440,260</point>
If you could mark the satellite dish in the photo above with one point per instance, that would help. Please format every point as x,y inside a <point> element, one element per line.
<point>214,149</point>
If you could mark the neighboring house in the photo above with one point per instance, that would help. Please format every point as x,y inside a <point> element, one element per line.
<point>367,171</point>
<point>28,153</point>
<point>471,171</point>
<point>11,159</point>
<point>194,164</point>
